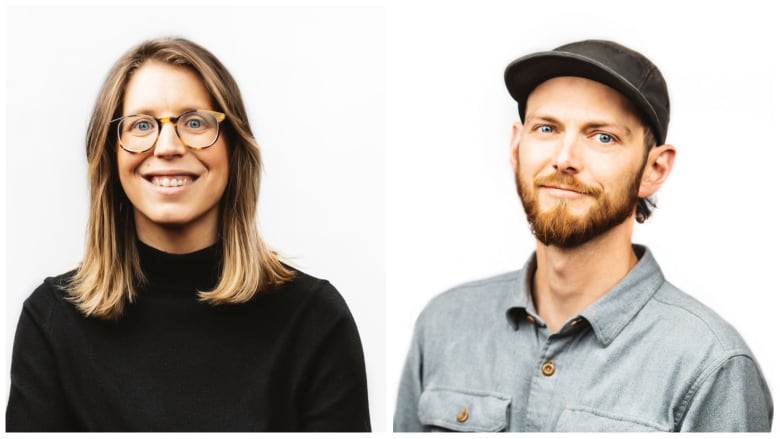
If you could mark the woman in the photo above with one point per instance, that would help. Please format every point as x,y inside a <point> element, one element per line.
<point>179,318</point>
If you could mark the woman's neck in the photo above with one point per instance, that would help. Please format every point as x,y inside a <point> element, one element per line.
<point>178,239</point>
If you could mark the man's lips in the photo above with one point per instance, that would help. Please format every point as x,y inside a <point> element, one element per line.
<point>565,185</point>
<point>564,188</point>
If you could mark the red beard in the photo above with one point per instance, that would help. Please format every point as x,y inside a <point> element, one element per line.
<point>558,227</point>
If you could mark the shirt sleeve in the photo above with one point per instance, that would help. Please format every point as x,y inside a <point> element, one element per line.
<point>410,389</point>
<point>37,401</point>
<point>734,397</point>
<point>336,396</point>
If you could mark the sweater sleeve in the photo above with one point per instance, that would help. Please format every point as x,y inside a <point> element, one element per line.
<point>37,401</point>
<point>336,394</point>
<point>733,397</point>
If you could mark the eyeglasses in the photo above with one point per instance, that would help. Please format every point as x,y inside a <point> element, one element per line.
<point>196,129</point>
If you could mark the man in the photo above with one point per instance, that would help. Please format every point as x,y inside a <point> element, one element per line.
<point>588,336</point>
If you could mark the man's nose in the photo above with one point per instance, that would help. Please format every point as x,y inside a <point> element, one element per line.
<point>567,157</point>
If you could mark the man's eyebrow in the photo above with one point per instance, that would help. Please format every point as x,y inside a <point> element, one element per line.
<point>626,131</point>
<point>542,118</point>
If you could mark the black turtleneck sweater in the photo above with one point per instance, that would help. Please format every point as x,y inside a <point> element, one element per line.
<point>288,360</point>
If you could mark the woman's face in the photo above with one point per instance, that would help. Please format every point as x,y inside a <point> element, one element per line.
<point>175,190</point>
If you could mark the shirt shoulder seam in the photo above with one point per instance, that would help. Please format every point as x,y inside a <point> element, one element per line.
<point>702,378</point>
<point>697,316</point>
<point>503,278</point>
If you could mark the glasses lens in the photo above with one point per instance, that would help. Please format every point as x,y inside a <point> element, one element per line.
<point>137,133</point>
<point>198,129</point>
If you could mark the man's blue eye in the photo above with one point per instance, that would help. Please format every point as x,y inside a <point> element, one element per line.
<point>604,138</point>
<point>546,129</point>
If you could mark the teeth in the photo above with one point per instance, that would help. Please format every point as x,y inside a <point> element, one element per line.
<point>169,181</point>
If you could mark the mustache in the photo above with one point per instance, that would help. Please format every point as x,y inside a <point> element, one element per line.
<point>567,181</point>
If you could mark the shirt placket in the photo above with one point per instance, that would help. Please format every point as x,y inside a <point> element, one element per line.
<point>544,380</point>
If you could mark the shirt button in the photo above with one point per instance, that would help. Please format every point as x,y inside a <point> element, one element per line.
<point>548,368</point>
<point>463,416</point>
<point>530,319</point>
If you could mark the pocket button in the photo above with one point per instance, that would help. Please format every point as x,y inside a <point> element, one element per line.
<point>463,416</point>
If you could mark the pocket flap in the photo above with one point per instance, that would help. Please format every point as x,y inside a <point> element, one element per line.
<point>463,410</point>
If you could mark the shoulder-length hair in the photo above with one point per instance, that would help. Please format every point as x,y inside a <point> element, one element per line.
<point>110,273</point>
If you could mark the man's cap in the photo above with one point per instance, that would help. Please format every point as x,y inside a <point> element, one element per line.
<point>607,62</point>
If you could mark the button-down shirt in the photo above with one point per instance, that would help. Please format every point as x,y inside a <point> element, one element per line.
<point>643,357</point>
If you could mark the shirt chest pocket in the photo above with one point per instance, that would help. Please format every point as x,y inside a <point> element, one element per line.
<point>463,410</point>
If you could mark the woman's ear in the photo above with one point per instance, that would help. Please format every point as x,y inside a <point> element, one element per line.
<point>659,165</point>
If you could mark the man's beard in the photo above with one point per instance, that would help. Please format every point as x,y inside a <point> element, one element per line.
<point>558,227</point>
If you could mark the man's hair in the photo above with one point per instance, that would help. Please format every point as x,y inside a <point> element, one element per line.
<point>110,273</point>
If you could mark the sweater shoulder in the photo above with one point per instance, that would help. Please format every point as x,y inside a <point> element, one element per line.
<point>50,296</point>
<point>319,293</point>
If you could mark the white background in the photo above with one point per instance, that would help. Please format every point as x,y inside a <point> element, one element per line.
<point>313,82</point>
<point>452,211</point>
<point>385,135</point>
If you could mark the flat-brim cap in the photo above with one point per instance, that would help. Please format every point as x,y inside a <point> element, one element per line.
<point>607,62</point>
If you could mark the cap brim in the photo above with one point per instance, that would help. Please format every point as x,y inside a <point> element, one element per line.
<point>524,74</point>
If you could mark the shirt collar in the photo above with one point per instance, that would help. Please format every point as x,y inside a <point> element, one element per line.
<point>609,314</point>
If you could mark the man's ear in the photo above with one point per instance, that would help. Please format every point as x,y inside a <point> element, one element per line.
<point>517,133</point>
<point>659,165</point>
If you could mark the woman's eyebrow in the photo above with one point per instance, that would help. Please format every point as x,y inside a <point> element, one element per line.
<point>150,111</point>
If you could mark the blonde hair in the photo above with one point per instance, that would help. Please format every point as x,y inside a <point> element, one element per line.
<point>110,273</point>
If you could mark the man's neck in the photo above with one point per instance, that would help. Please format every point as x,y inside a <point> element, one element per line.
<point>568,280</point>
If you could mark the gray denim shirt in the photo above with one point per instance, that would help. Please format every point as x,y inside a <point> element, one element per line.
<point>644,357</point>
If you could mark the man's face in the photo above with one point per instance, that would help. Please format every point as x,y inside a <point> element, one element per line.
<point>579,160</point>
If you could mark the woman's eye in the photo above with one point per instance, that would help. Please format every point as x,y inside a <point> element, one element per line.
<point>142,125</point>
<point>194,123</point>
<point>604,138</point>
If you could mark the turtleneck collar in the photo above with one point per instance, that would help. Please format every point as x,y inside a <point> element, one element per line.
<point>198,270</point>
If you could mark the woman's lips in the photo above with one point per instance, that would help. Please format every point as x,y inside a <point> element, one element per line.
<point>170,180</point>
